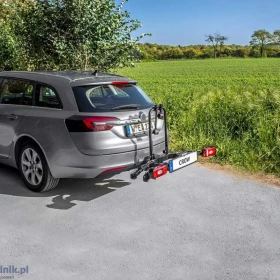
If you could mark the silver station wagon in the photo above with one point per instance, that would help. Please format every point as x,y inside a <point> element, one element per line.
<point>82,125</point>
<point>72,125</point>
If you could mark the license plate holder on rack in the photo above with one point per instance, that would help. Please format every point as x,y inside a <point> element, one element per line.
<point>182,161</point>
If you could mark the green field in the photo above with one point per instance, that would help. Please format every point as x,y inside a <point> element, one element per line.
<point>231,103</point>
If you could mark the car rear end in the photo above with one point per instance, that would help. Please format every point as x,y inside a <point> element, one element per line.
<point>110,131</point>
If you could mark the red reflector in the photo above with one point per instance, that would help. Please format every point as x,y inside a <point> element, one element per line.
<point>209,152</point>
<point>92,123</point>
<point>160,171</point>
<point>119,168</point>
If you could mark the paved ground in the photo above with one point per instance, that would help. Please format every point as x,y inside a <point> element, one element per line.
<point>194,224</point>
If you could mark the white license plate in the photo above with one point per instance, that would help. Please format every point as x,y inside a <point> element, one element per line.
<point>182,161</point>
<point>138,128</point>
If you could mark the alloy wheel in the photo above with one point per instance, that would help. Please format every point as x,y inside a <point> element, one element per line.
<point>32,168</point>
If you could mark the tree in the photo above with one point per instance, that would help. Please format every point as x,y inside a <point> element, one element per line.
<point>77,34</point>
<point>172,53</point>
<point>240,52</point>
<point>220,39</point>
<point>5,9</point>
<point>211,39</point>
<point>6,47</point>
<point>11,51</point>
<point>276,36</point>
<point>216,40</point>
<point>260,39</point>
<point>190,53</point>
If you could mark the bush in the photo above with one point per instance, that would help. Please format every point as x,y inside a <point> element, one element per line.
<point>244,126</point>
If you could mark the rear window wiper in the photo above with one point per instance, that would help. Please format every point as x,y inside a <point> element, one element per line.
<point>128,106</point>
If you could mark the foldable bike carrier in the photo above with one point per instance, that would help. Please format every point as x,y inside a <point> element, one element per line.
<point>153,161</point>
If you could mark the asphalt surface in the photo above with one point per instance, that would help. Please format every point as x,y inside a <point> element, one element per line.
<point>194,224</point>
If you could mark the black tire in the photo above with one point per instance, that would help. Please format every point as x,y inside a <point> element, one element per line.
<point>47,181</point>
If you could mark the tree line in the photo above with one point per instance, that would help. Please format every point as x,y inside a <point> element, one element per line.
<point>262,44</point>
<point>87,34</point>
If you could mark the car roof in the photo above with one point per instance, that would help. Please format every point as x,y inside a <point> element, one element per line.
<point>76,78</point>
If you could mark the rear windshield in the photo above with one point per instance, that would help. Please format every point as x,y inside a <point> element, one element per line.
<point>105,98</point>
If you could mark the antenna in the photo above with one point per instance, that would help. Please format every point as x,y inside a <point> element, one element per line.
<point>95,73</point>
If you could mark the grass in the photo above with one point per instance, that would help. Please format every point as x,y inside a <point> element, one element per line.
<point>231,103</point>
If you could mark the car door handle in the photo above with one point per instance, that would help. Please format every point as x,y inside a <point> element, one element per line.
<point>12,117</point>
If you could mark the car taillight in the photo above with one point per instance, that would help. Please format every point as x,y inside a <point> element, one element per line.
<point>209,152</point>
<point>98,123</point>
<point>89,124</point>
<point>159,171</point>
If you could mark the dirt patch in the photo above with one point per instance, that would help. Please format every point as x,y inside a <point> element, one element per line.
<point>260,177</point>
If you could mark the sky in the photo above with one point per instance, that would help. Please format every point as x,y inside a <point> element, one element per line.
<point>185,22</point>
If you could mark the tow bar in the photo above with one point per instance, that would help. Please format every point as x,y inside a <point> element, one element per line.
<point>156,166</point>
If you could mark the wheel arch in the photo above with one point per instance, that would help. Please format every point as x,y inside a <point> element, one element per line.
<point>20,141</point>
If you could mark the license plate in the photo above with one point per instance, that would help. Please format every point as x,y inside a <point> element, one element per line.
<point>139,128</point>
<point>182,161</point>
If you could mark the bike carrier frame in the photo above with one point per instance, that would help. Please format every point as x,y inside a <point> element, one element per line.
<point>153,161</point>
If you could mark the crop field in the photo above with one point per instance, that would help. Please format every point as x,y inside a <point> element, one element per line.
<point>231,103</point>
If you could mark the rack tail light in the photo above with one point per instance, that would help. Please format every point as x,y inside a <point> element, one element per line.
<point>159,171</point>
<point>209,152</point>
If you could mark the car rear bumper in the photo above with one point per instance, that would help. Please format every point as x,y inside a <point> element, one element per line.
<point>74,164</point>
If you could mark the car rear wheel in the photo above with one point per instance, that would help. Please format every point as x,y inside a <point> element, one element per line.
<point>34,169</point>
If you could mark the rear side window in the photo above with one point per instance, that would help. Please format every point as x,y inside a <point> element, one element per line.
<point>105,98</point>
<point>46,97</point>
<point>12,91</point>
